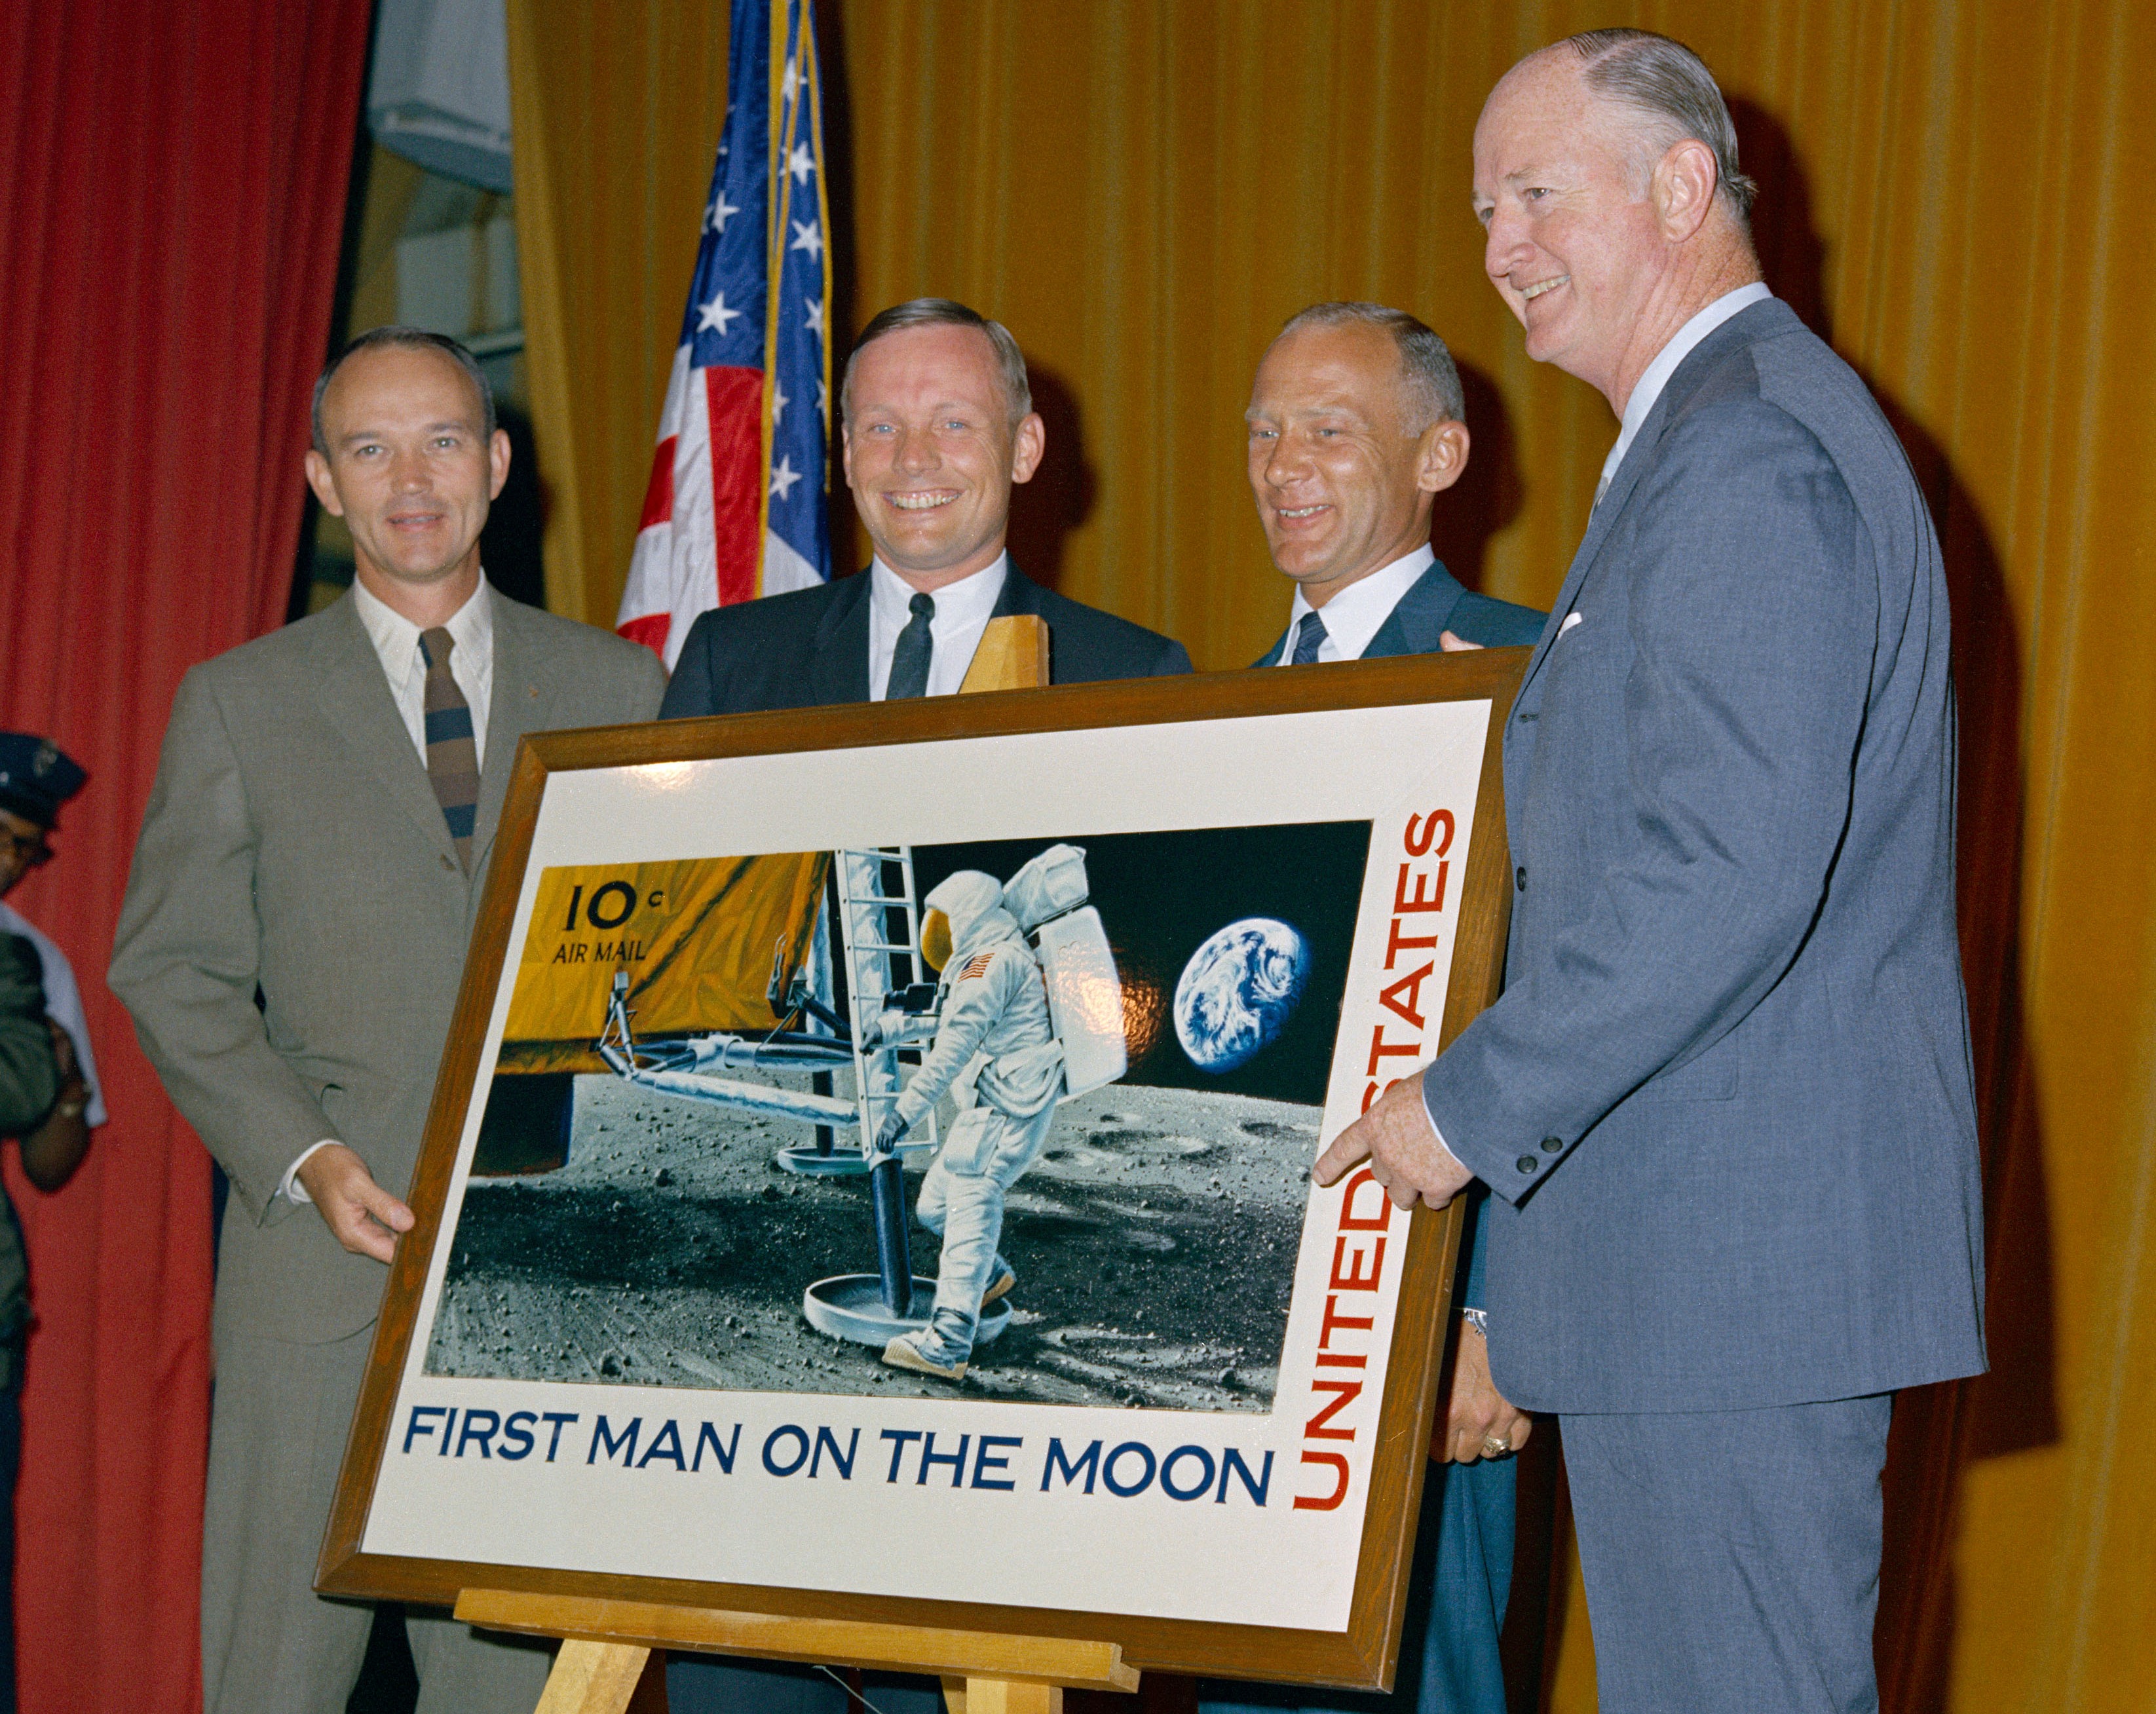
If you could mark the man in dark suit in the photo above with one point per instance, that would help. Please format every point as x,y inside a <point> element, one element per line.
<point>1355,427</point>
<point>308,870</point>
<point>1725,1102</point>
<point>937,423</point>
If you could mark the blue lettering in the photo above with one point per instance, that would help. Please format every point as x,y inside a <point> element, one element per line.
<point>930,1455</point>
<point>1231,1460</point>
<point>520,1438</point>
<point>982,1461</point>
<point>415,1426</point>
<point>1108,1470</point>
<point>448,1423</point>
<point>1197,1491</point>
<point>484,1436</point>
<point>560,1419</point>
<point>899,1437</point>
<point>1088,1461</point>
<point>667,1444</point>
<point>771,1439</point>
<point>604,1439</point>
<point>724,1455</point>
<point>843,1460</point>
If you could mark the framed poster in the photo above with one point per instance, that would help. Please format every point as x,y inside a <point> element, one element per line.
<point>1003,1029</point>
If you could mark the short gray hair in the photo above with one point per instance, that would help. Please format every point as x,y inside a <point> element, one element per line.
<point>407,339</point>
<point>943,312</point>
<point>1429,382</point>
<point>1667,84</point>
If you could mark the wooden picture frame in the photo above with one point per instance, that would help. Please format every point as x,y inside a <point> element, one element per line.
<point>1452,694</point>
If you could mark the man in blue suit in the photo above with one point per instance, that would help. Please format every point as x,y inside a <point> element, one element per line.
<point>1725,1102</point>
<point>1355,427</point>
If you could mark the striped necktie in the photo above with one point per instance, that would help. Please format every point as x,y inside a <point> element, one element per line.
<point>452,756</point>
<point>1309,639</point>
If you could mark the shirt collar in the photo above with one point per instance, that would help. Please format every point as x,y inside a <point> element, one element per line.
<point>396,639</point>
<point>1354,615</point>
<point>1682,345</point>
<point>969,601</point>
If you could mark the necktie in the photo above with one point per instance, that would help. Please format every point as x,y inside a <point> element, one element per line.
<point>909,659</point>
<point>452,757</point>
<point>1309,639</point>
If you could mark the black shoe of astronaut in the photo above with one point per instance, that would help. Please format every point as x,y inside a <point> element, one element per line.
<point>905,1353</point>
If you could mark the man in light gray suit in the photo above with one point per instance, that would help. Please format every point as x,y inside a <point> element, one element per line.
<point>1725,1105</point>
<point>290,947</point>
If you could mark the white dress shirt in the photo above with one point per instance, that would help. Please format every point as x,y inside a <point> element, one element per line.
<point>396,642</point>
<point>1355,614</point>
<point>963,611</point>
<point>62,1004</point>
<point>1658,372</point>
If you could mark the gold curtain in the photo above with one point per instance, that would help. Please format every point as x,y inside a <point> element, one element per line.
<point>1954,193</point>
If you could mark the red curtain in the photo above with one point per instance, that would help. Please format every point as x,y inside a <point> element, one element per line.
<point>172,183</point>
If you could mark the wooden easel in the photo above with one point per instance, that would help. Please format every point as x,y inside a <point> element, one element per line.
<point>607,1645</point>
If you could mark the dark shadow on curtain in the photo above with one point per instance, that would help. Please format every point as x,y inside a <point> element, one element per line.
<point>1048,509</point>
<point>841,274</point>
<point>1938,1431</point>
<point>508,547</point>
<point>1488,496</point>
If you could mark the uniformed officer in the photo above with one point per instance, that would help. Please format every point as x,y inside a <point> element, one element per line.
<point>36,778</point>
<point>996,1045</point>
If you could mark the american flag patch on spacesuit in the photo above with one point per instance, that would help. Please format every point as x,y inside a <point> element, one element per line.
<point>978,965</point>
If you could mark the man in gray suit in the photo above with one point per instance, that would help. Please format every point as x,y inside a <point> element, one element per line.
<point>290,947</point>
<point>1356,426</point>
<point>1725,1104</point>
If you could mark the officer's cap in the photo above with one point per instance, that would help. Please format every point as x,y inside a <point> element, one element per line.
<point>36,777</point>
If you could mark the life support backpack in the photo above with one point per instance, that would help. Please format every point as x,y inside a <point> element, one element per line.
<point>1047,897</point>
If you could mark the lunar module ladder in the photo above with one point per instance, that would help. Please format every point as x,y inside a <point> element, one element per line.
<point>857,1306</point>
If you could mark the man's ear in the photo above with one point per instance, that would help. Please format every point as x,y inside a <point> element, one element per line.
<point>497,459</point>
<point>1683,188</point>
<point>1027,446</point>
<point>846,453</point>
<point>325,486</point>
<point>1440,456</point>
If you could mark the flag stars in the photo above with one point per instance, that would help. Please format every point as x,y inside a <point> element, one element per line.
<point>815,315</point>
<point>824,403</point>
<point>784,476</point>
<point>778,402</point>
<point>801,163</point>
<point>808,235</point>
<point>793,80</point>
<point>714,216</point>
<point>712,317</point>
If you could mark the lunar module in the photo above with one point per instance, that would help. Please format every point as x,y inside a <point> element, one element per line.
<point>854,1017</point>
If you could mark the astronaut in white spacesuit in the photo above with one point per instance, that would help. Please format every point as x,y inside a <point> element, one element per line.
<point>996,1046</point>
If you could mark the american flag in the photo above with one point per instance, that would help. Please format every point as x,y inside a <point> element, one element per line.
<point>735,507</point>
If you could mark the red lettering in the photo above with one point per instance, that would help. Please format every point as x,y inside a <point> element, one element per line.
<point>1341,1360</point>
<point>1348,1391</point>
<point>1370,1095</point>
<point>1397,943</point>
<point>1304,1503</point>
<point>1357,1323</point>
<point>1419,900</point>
<point>1429,832</point>
<point>1350,1221</point>
<point>1411,986</point>
<point>1379,1047</point>
<point>1354,1280</point>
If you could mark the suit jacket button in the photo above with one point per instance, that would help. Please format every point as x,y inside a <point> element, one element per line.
<point>1527,1163</point>
<point>1552,1145</point>
<point>1520,877</point>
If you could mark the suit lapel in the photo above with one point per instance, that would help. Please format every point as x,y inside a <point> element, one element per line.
<point>352,691</point>
<point>1019,594</point>
<point>1740,328</point>
<point>1416,624</point>
<point>839,665</point>
<point>519,701</point>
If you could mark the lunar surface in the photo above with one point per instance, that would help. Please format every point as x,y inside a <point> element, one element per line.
<point>1237,990</point>
<point>1154,1241</point>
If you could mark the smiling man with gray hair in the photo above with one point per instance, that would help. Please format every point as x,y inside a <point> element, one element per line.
<point>1724,1106</point>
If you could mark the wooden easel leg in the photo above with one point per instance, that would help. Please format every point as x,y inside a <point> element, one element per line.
<point>593,1678</point>
<point>1004,1696</point>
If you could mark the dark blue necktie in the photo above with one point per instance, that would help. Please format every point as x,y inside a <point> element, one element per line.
<point>1309,639</point>
<point>909,659</point>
